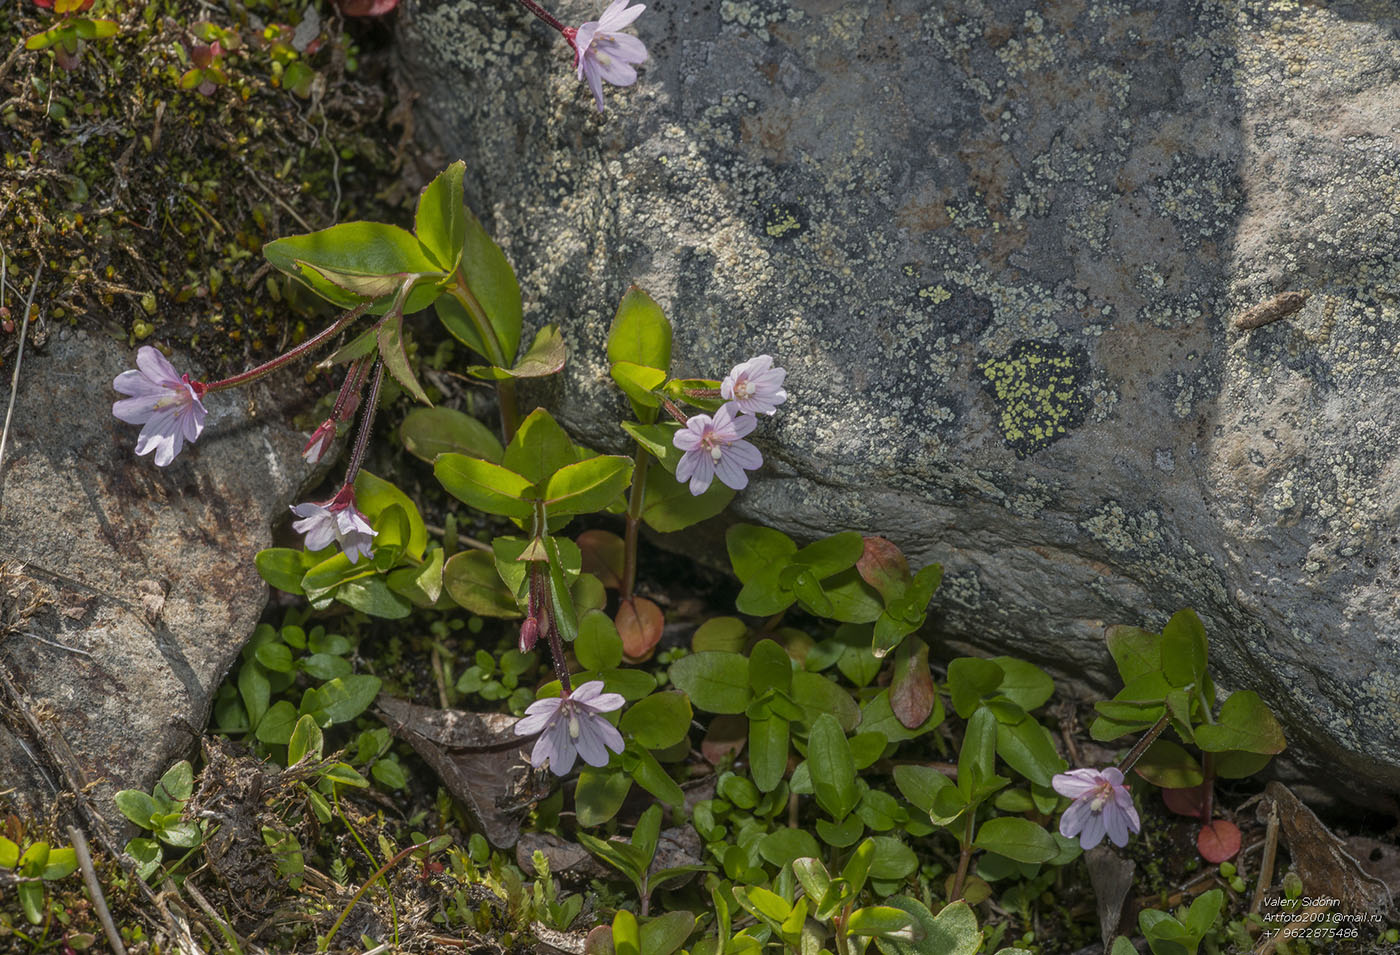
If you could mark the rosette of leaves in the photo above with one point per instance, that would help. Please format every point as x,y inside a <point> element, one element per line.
<point>1167,675</point>
<point>447,262</point>
<point>66,37</point>
<point>162,811</point>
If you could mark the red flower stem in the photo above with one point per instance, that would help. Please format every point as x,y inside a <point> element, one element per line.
<point>965,857</point>
<point>270,366</point>
<point>349,397</point>
<point>1147,740</point>
<point>703,393</point>
<point>357,457</point>
<point>674,411</point>
<point>539,597</point>
<point>546,16</point>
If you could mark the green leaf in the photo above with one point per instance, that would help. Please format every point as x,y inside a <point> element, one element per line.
<point>372,596</point>
<point>564,562</point>
<point>715,682</point>
<point>395,355</point>
<point>850,599</point>
<point>1028,748</point>
<point>668,505</point>
<point>277,724</point>
<point>276,657</point>
<point>768,751</point>
<point>283,567</point>
<point>953,932</point>
<point>762,904</point>
<point>31,900</point>
<point>492,282</point>
<point>770,667</point>
<point>147,853</point>
<point>638,382</point>
<point>640,333</point>
<point>659,721</point>
<point>440,221</point>
<point>355,248</point>
<point>1184,649</point>
<point>811,874</point>
<point>60,864</point>
<point>471,580</point>
<point>1016,838</point>
<point>893,861</point>
<point>137,806</point>
<point>540,448</point>
<point>421,585</point>
<point>1237,765</point>
<point>920,784</point>
<point>599,795</point>
<point>1137,652</point>
<point>306,740</point>
<point>1169,766</point>
<point>374,495</point>
<point>1245,723</point>
<point>345,698</point>
<point>9,851</point>
<point>832,766</point>
<point>175,785</point>
<point>1204,910</point>
<point>1025,684</point>
<point>545,356</point>
<point>255,690</point>
<point>977,758</point>
<point>970,679</point>
<point>626,939</point>
<point>485,486</point>
<point>758,552</point>
<point>428,432</point>
<point>729,634</point>
<point>589,485</point>
<point>599,647</point>
<point>818,695</point>
<point>884,921</point>
<point>666,933</point>
<point>782,846</point>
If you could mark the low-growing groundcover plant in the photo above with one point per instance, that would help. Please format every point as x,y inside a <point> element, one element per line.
<point>798,775</point>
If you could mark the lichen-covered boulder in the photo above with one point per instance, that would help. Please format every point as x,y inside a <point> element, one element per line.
<point>126,590</point>
<point>1002,247</point>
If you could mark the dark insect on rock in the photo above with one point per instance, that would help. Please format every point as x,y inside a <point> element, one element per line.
<point>1280,306</point>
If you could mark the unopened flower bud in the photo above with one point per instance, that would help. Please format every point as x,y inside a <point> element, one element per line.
<point>320,443</point>
<point>529,633</point>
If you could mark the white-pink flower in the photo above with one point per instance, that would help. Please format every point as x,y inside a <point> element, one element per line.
<point>755,386</point>
<point>713,446</point>
<point>1102,805</point>
<point>165,402</point>
<point>336,521</point>
<point>602,53</point>
<point>572,725</point>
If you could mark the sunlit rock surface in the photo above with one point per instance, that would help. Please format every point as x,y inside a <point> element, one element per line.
<point>1001,246</point>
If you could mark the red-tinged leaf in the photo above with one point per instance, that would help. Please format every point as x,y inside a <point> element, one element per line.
<point>604,556</point>
<point>911,691</point>
<point>725,737</point>
<point>1189,802</point>
<point>639,623</point>
<point>366,8</point>
<point>1218,841</point>
<point>883,567</point>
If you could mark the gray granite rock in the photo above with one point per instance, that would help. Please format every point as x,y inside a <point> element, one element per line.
<point>1001,246</point>
<point>127,590</point>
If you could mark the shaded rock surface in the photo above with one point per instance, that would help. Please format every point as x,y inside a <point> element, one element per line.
<point>1000,246</point>
<point>128,590</point>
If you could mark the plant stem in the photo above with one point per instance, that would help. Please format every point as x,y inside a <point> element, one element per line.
<point>495,353</point>
<point>314,341</point>
<point>510,412</point>
<point>1208,771</point>
<point>1147,740</point>
<point>634,520</point>
<point>965,858</point>
<point>546,16</point>
<point>325,940</point>
<point>357,456</point>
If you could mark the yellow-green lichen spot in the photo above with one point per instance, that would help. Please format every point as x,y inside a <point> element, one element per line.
<point>1037,390</point>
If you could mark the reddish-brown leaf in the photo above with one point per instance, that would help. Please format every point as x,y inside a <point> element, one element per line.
<point>1218,841</point>
<point>1186,802</point>
<point>883,567</point>
<point>725,737</point>
<point>911,690</point>
<point>639,623</point>
<point>603,556</point>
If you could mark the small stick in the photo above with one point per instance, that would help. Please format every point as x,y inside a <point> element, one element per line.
<point>1280,306</point>
<point>99,901</point>
<point>1266,864</point>
<point>19,357</point>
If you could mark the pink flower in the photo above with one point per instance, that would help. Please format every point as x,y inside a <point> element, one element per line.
<point>755,386</point>
<point>1102,804</point>
<point>712,447</point>
<point>572,725</point>
<point>601,53</point>
<point>336,521</point>
<point>165,402</point>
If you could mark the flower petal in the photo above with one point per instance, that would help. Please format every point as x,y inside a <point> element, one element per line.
<point>703,474</point>
<point>136,410</point>
<point>1076,782</point>
<point>730,474</point>
<point>156,367</point>
<point>745,455</point>
<point>532,723</point>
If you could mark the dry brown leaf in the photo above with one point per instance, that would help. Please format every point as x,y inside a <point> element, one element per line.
<point>1321,858</point>
<point>478,758</point>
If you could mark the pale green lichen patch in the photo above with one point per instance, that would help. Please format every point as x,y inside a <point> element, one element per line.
<point>1037,387</point>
